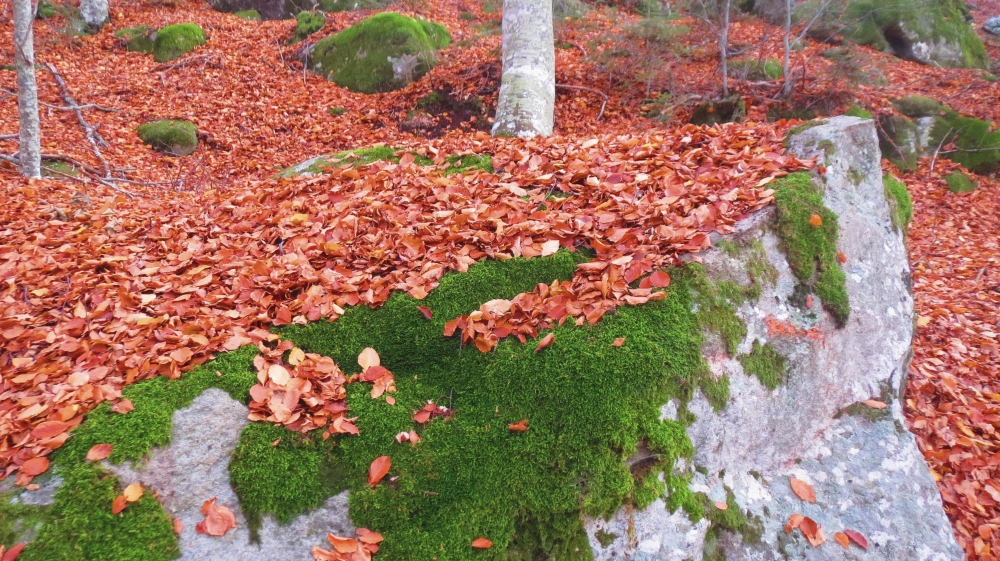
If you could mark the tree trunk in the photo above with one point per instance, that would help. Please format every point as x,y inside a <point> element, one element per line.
<point>94,14</point>
<point>528,85</point>
<point>724,46</point>
<point>787,89</point>
<point>30,149</point>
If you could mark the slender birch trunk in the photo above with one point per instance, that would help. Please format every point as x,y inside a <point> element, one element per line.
<point>724,46</point>
<point>30,149</point>
<point>528,85</point>
<point>787,89</point>
<point>94,13</point>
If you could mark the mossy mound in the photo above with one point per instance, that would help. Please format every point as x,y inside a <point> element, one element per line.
<point>918,106</point>
<point>380,53</point>
<point>307,23</point>
<point>174,41</point>
<point>250,15</point>
<point>929,31</point>
<point>728,110</point>
<point>175,138</point>
<point>858,111</point>
<point>959,182</point>
<point>754,69</point>
<point>365,156</point>
<point>977,148</point>
<point>897,139</point>
<point>137,39</point>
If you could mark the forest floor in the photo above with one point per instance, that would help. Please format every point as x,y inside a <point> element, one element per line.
<point>77,258</point>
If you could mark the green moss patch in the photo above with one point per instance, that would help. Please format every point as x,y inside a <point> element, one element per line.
<point>249,15</point>
<point>729,110</point>
<point>174,41</point>
<point>767,364</point>
<point>858,111</point>
<point>959,182</point>
<point>918,106</point>
<point>365,156</point>
<point>19,522</point>
<point>900,204</point>
<point>307,23</point>
<point>358,57</point>
<point>897,139</point>
<point>137,39</point>
<point>175,138</point>
<point>811,250</point>
<point>755,69</point>
<point>977,148</point>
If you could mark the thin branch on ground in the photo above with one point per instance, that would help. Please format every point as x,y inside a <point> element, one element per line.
<point>591,90</point>
<point>64,108</point>
<point>936,152</point>
<point>93,137</point>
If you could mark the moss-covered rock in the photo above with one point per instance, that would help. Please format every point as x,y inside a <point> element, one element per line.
<point>174,41</point>
<point>288,9</point>
<point>250,15</point>
<point>858,111</point>
<point>755,69</point>
<point>307,23</point>
<point>900,203</point>
<point>364,156</point>
<point>728,110</point>
<point>378,54</point>
<point>175,138</point>
<point>977,148</point>
<point>959,182</point>
<point>918,106</point>
<point>137,39</point>
<point>898,141</point>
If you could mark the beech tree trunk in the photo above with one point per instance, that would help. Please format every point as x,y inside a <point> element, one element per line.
<point>94,13</point>
<point>726,6</point>
<point>30,149</point>
<point>786,90</point>
<point>528,85</point>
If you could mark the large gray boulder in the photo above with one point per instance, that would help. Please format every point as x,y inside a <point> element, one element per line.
<point>864,465</point>
<point>992,25</point>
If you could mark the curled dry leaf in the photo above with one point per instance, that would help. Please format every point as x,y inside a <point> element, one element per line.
<point>803,490</point>
<point>426,311</point>
<point>98,452</point>
<point>813,531</point>
<point>379,468</point>
<point>218,519</point>
<point>132,493</point>
<point>343,545</point>
<point>842,539</point>
<point>520,426</point>
<point>875,404</point>
<point>857,538</point>
<point>482,543</point>
<point>545,342</point>
<point>367,536</point>
<point>123,406</point>
<point>793,522</point>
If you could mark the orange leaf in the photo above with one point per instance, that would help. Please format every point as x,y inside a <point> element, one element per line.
<point>875,404</point>
<point>803,490</point>
<point>815,220</point>
<point>793,522</point>
<point>618,342</point>
<point>368,358</point>
<point>482,543</point>
<point>98,452</point>
<point>178,526</point>
<point>857,538</point>
<point>367,536</point>
<point>123,406</point>
<point>343,545</point>
<point>841,257</point>
<point>545,342</point>
<point>659,279</point>
<point>118,504</point>
<point>422,416</point>
<point>721,505</point>
<point>14,551</point>
<point>133,492</point>
<point>35,466</point>
<point>812,531</point>
<point>842,539</point>
<point>380,467</point>
<point>426,311</point>
<point>218,519</point>
<point>520,426</point>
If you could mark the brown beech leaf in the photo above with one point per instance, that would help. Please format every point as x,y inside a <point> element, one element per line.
<point>368,358</point>
<point>482,543</point>
<point>98,452</point>
<point>343,545</point>
<point>875,404</point>
<point>379,468</point>
<point>367,536</point>
<point>857,538</point>
<point>545,342</point>
<point>721,505</point>
<point>178,526</point>
<point>659,279</point>
<point>793,522</point>
<point>218,519</point>
<point>815,220</point>
<point>618,342</point>
<point>520,426</point>
<point>803,490</point>
<point>118,504</point>
<point>13,553</point>
<point>123,406</point>
<point>812,531</point>
<point>842,539</point>
<point>132,493</point>
<point>426,311</point>
<point>35,466</point>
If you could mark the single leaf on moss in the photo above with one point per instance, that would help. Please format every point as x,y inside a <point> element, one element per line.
<point>520,426</point>
<point>368,358</point>
<point>545,342</point>
<point>659,279</point>
<point>35,466</point>
<point>118,504</point>
<point>123,406</point>
<point>875,404</point>
<point>426,311</point>
<point>482,543</point>
<point>98,452</point>
<point>803,490</point>
<point>815,220</point>
<point>132,493</point>
<point>618,342</point>
<point>367,536</point>
<point>12,553</point>
<point>379,468</point>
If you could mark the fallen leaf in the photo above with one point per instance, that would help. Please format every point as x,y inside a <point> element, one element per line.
<point>118,504</point>
<point>545,342</point>
<point>793,522</point>
<point>875,404</point>
<point>378,470</point>
<point>178,526</point>
<point>368,358</point>
<point>343,545</point>
<point>13,553</point>
<point>857,538</point>
<point>618,342</point>
<point>815,220</point>
<point>123,406</point>
<point>35,466</point>
<point>367,536</point>
<point>721,505</point>
<point>812,531</point>
<point>132,493</point>
<point>426,311</point>
<point>520,426</point>
<point>803,490</point>
<point>842,257</point>
<point>842,539</point>
<point>659,279</point>
<point>218,519</point>
<point>482,543</point>
<point>98,452</point>
<point>278,374</point>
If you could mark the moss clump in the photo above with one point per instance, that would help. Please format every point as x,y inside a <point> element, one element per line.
<point>811,250</point>
<point>755,69</point>
<point>336,111</point>
<point>19,522</point>
<point>858,111</point>
<point>728,110</point>
<point>732,519</point>
<point>469,163</point>
<point>307,23</point>
<point>900,204</point>
<point>588,406</point>
<point>976,147</point>
<point>897,139</point>
<point>365,156</point>
<point>175,138</point>
<point>959,182</point>
<point>764,362</point>
<point>174,41</point>
<point>437,34</point>
<point>45,10</point>
<point>348,5</point>
<point>249,15</point>
<point>800,128</point>
<point>918,106</point>
<point>59,169</point>
<point>358,57</point>
<point>137,39</point>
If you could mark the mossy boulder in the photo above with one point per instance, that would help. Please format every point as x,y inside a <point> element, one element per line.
<point>137,39</point>
<point>379,54</point>
<point>898,141</point>
<point>174,41</point>
<point>959,182</point>
<point>754,69</point>
<point>174,138</point>
<point>250,15</point>
<point>977,147</point>
<point>288,9</point>
<point>728,110</point>
<point>307,23</point>
<point>918,106</point>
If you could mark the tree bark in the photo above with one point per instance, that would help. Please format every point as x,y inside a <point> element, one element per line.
<point>30,149</point>
<point>786,90</point>
<point>94,14</point>
<point>528,86</point>
<point>724,46</point>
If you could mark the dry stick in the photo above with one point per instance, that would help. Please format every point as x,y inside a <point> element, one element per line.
<point>592,90</point>
<point>940,144</point>
<point>93,137</point>
<point>62,108</point>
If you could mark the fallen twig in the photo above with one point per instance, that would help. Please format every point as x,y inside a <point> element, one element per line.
<point>93,137</point>
<point>940,144</point>
<point>591,90</point>
<point>64,108</point>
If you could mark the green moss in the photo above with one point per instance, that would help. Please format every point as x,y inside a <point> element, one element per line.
<point>250,15</point>
<point>336,111</point>
<point>349,5</point>
<point>811,250</point>
<point>469,163</point>
<point>918,106</point>
<point>59,169</point>
<point>858,111</point>
<point>799,128</point>
<point>437,34</point>
<point>174,41</point>
<point>467,16</point>
<point>897,139</point>
<point>959,182</point>
<point>45,10</point>
<point>715,305</point>
<point>136,39</point>
<point>728,110</point>
<point>19,522</point>
<point>358,57</point>
<point>732,519</point>
<point>605,538</point>
<point>365,156</point>
<point>976,147</point>
<point>767,364</point>
<point>900,204</point>
<point>175,138</point>
<point>307,23</point>
<point>755,69</point>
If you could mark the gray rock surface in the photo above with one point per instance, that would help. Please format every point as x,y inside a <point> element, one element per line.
<point>992,25</point>
<point>869,476</point>
<point>194,468</point>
